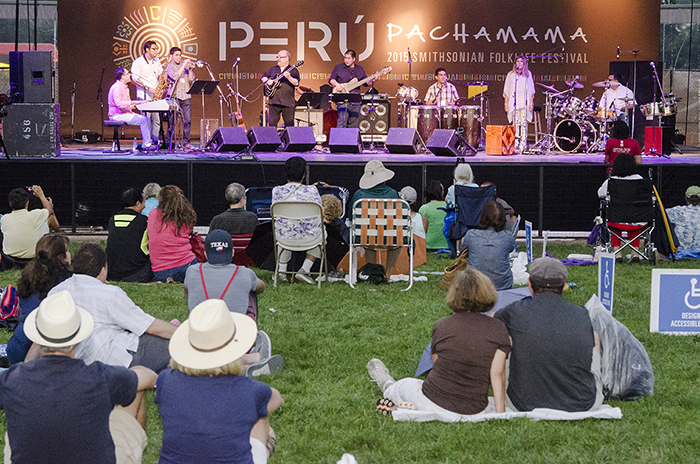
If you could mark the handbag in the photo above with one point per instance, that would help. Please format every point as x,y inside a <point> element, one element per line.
<point>457,265</point>
<point>9,310</point>
<point>197,244</point>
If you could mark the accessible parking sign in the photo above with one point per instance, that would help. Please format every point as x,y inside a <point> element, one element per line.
<point>675,301</point>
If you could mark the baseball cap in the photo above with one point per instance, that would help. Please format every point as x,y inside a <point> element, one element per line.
<point>219,247</point>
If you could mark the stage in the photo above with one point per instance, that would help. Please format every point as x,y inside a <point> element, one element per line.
<point>555,192</point>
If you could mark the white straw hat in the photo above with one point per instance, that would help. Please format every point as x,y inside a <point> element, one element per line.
<point>58,322</point>
<point>375,174</point>
<point>212,336</point>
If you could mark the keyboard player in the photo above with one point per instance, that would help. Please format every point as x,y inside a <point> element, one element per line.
<point>121,107</point>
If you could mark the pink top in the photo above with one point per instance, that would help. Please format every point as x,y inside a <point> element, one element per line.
<point>119,99</point>
<point>168,250</point>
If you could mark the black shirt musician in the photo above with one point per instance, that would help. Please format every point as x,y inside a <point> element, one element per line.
<point>282,100</point>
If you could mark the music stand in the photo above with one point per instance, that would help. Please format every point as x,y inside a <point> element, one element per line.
<point>311,100</point>
<point>204,88</point>
<point>345,98</point>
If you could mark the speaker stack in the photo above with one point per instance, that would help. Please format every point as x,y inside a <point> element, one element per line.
<point>375,116</point>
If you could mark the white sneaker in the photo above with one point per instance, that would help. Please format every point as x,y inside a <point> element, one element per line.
<point>263,345</point>
<point>271,365</point>
<point>379,373</point>
<point>304,277</point>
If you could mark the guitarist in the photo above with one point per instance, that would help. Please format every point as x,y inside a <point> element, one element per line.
<point>282,102</point>
<point>348,114</point>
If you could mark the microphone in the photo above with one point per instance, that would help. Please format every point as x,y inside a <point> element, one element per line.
<point>653,65</point>
<point>618,52</point>
<point>236,62</point>
<point>73,90</point>
<point>409,54</point>
<point>577,78</point>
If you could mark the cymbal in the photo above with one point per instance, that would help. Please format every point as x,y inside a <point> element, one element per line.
<point>551,88</point>
<point>625,99</point>
<point>605,83</point>
<point>574,84</point>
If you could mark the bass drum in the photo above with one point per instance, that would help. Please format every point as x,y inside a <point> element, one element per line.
<point>570,135</point>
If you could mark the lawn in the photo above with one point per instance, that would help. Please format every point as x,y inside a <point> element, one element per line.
<point>327,336</point>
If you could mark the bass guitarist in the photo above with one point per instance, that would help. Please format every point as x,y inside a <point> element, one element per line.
<point>282,101</point>
<point>348,113</point>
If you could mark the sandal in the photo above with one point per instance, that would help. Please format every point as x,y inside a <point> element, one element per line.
<point>386,406</point>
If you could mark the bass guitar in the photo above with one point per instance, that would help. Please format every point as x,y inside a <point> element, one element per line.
<point>354,83</point>
<point>272,85</point>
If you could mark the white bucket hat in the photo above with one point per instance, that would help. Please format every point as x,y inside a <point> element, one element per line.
<point>212,336</point>
<point>58,322</point>
<point>375,174</point>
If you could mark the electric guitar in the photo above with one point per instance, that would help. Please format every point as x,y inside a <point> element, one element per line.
<point>354,83</point>
<point>272,85</point>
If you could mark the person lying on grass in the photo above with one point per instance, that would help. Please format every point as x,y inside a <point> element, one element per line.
<point>469,349</point>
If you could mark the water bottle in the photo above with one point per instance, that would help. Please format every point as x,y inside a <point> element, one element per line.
<point>133,146</point>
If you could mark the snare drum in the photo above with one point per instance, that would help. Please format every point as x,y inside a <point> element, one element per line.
<point>570,135</point>
<point>589,106</point>
<point>425,118</point>
<point>605,116</point>
<point>469,122</point>
<point>449,117</point>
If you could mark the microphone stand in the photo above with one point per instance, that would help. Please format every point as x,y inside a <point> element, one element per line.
<point>410,89</point>
<point>102,107</point>
<point>658,115</point>
<point>222,97</point>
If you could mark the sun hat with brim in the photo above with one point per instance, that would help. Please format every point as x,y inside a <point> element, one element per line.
<point>58,322</point>
<point>375,174</point>
<point>212,336</point>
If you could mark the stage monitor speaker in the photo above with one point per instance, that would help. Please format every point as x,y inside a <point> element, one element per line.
<point>32,129</point>
<point>345,140</point>
<point>30,77</point>
<point>298,139</point>
<point>444,142</point>
<point>229,139</point>
<point>376,119</point>
<point>400,140</point>
<point>264,138</point>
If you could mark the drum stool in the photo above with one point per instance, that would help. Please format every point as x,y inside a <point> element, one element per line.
<point>115,138</point>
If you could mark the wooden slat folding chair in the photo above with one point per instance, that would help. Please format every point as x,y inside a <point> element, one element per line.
<point>380,225</point>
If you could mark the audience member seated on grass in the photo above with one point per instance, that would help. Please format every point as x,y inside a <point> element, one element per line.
<point>490,246</point>
<point>52,224</point>
<point>621,142</point>
<point>623,168</point>
<point>337,233</point>
<point>555,362</point>
<point>373,185</point>
<point>50,266</point>
<point>434,214</point>
<point>510,212</point>
<point>22,229</point>
<point>235,220</point>
<point>127,243</point>
<point>150,194</point>
<point>686,219</point>
<point>169,229</point>
<point>303,229</point>
<point>210,411</point>
<point>409,195</point>
<point>124,335</point>
<point>463,175</point>
<point>60,409</point>
<point>469,350</point>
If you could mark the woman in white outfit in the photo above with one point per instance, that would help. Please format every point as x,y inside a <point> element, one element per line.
<point>518,95</point>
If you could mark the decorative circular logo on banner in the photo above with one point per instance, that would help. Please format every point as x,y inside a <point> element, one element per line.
<point>167,27</point>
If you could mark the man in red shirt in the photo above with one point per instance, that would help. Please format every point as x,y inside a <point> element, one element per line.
<point>121,106</point>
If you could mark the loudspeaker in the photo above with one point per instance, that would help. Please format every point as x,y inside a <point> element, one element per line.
<point>345,140</point>
<point>377,118</point>
<point>264,138</point>
<point>298,139</point>
<point>231,139</point>
<point>400,140</point>
<point>444,142</point>
<point>33,129</point>
<point>30,77</point>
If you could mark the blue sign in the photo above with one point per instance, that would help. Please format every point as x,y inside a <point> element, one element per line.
<point>528,240</point>
<point>606,279</point>
<point>675,301</point>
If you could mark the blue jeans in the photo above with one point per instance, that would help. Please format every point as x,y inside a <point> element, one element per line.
<point>349,115</point>
<point>177,273</point>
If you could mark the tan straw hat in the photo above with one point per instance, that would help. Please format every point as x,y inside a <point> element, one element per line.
<point>58,322</point>
<point>375,174</point>
<point>212,336</point>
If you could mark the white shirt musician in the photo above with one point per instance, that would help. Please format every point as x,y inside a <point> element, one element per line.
<point>618,97</point>
<point>145,71</point>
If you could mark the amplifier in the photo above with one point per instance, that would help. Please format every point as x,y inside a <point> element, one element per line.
<point>33,129</point>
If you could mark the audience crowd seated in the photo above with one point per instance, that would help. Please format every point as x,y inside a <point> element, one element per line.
<point>22,229</point>
<point>463,175</point>
<point>150,195</point>
<point>434,213</point>
<point>469,351</point>
<point>127,242</point>
<point>50,266</point>
<point>302,229</point>
<point>409,195</point>
<point>169,229</point>
<point>511,217</point>
<point>210,411</point>
<point>235,220</point>
<point>555,361</point>
<point>490,246</point>
<point>686,219</point>
<point>621,142</point>
<point>124,335</point>
<point>60,409</point>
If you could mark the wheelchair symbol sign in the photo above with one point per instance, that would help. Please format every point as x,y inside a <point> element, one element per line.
<point>606,279</point>
<point>693,292</point>
<point>675,301</point>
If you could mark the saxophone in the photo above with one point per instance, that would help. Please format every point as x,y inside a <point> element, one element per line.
<point>163,83</point>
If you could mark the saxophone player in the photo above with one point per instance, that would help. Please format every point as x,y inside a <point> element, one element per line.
<point>180,72</point>
<point>145,71</point>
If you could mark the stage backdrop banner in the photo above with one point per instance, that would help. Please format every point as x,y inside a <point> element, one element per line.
<point>474,41</point>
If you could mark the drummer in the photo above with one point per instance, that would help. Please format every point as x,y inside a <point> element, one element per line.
<point>617,97</point>
<point>441,93</point>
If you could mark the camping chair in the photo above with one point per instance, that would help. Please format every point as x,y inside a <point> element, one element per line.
<point>240,243</point>
<point>258,201</point>
<point>380,225</point>
<point>282,211</point>
<point>629,207</point>
<point>469,201</point>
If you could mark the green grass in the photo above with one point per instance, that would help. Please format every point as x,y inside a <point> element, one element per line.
<point>327,336</point>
